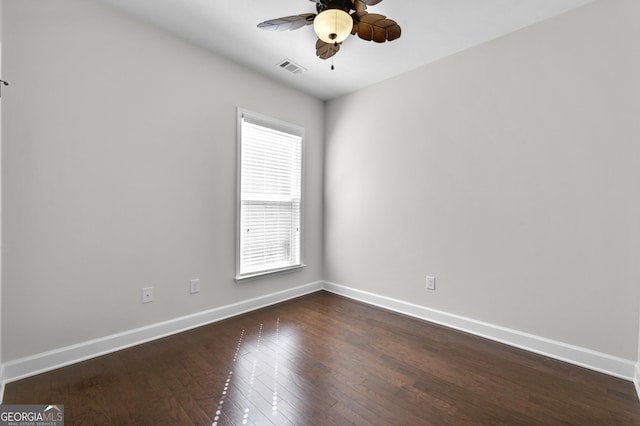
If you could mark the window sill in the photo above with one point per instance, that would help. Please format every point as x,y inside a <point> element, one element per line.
<point>269,272</point>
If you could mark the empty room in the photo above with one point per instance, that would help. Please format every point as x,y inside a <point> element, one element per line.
<point>320,212</point>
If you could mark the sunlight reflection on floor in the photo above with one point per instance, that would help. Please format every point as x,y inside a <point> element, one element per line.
<point>251,388</point>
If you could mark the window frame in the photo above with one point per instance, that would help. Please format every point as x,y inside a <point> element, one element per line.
<point>282,126</point>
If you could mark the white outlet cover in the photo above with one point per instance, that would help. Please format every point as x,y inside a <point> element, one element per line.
<point>147,295</point>
<point>431,283</point>
<point>195,286</point>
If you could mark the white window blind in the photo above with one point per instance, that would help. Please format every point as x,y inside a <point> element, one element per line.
<point>270,195</point>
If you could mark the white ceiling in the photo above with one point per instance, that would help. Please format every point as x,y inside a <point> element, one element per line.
<point>431,29</point>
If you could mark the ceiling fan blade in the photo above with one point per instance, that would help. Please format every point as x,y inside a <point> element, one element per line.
<point>360,7</point>
<point>326,50</point>
<point>288,22</point>
<point>378,28</point>
<point>371,2</point>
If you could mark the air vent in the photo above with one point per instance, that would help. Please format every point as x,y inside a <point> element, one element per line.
<point>292,67</point>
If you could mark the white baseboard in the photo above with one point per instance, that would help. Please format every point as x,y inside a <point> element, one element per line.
<point>1,383</point>
<point>576,355</point>
<point>636,379</point>
<point>29,366</point>
<point>32,365</point>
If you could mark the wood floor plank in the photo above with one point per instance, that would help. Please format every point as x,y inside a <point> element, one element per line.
<point>325,360</point>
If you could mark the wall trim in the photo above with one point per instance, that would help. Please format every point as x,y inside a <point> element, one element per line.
<point>583,357</point>
<point>1,383</point>
<point>636,379</point>
<point>46,361</point>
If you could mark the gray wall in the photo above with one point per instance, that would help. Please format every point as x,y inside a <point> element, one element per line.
<point>1,368</point>
<point>510,172</point>
<point>119,173</point>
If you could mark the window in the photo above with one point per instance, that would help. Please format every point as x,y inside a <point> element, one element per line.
<point>269,195</point>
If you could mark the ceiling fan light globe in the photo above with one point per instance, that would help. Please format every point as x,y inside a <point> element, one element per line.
<point>333,25</point>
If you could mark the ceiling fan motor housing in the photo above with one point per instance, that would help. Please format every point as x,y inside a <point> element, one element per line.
<point>345,5</point>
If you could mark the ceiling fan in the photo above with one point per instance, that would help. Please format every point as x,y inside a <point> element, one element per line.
<point>335,20</point>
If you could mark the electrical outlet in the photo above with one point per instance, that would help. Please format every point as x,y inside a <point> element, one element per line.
<point>147,295</point>
<point>431,283</point>
<point>195,286</point>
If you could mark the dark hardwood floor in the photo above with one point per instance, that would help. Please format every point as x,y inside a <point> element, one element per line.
<point>325,360</point>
